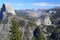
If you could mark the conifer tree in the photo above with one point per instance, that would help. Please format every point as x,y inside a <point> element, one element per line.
<point>40,37</point>
<point>15,34</point>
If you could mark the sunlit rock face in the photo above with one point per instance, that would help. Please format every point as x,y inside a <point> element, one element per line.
<point>45,20</point>
<point>6,8</point>
<point>38,22</point>
<point>26,31</point>
<point>33,14</point>
<point>5,11</point>
<point>9,9</point>
<point>40,18</point>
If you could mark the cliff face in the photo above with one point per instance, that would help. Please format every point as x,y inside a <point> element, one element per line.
<point>8,9</point>
<point>5,20</point>
<point>43,19</point>
<point>39,17</point>
<point>28,27</point>
<point>6,14</point>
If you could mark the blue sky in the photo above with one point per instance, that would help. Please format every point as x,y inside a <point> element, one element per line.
<point>29,4</point>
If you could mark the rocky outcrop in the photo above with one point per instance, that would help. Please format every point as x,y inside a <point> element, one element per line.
<point>45,20</point>
<point>28,29</point>
<point>8,9</point>
<point>8,14</point>
<point>5,20</point>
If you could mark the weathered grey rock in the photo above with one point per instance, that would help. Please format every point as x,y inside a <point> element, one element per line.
<point>9,9</point>
<point>27,31</point>
<point>5,20</point>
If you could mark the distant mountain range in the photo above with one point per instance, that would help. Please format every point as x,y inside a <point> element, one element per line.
<point>56,15</point>
<point>53,12</point>
<point>30,18</point>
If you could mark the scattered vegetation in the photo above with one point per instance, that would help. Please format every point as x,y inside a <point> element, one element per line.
<point>22,23</point>
<point>41,36</point>
<point>15,33</point>
<point>50,29</point>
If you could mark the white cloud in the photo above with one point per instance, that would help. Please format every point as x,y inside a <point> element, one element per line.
<point>18,4</point>
<point>44,4</point>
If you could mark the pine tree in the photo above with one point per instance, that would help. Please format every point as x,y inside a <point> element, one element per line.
<point>15,34</point>
<point>40,37</point>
